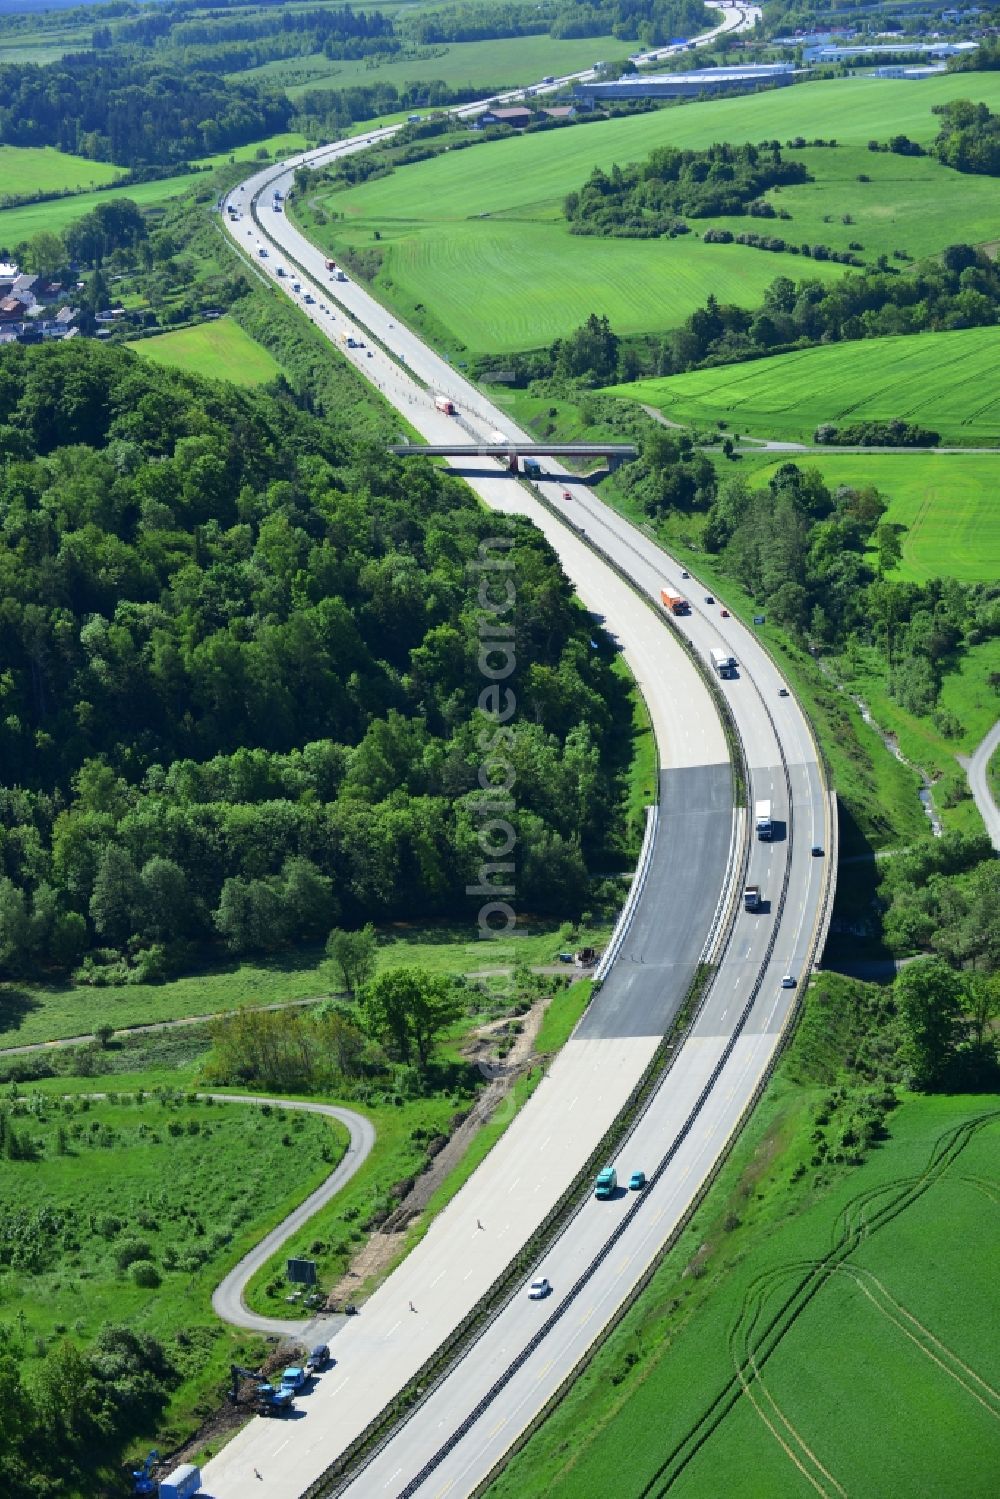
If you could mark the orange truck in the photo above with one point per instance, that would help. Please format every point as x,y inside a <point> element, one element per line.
<point>674,602</point>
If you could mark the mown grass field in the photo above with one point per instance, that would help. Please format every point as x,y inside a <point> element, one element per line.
<point>893,1354</point>
<point>944,381</point>
<point>911,204</point>
<point>946,501</point>
<point>43,169</point>
<point>31,1013</point>
<point>220,350</point>
<point>478,255</point>
<point>502,62</point>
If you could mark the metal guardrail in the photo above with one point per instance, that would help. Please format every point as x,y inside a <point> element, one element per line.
<point>632,899</point>
<point>343,1471</point>
<point>473,1326</point>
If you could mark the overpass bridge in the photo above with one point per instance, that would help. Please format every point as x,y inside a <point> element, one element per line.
<point>517,452</point>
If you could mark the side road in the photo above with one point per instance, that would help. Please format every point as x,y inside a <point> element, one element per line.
<point>227,1299</point>
<point>975,768</point>
<point>281,1004</point>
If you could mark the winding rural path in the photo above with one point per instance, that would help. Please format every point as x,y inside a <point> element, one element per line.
<point>976,768</point>
<point>227,1299</point>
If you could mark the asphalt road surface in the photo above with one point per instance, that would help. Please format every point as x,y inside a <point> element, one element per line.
<point>979,783</point>
<point>471,1420</point>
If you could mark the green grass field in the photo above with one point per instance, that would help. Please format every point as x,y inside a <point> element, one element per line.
<point>31,1013</point>
<point>59,170</point>
<point>477,253</point>
<point>941,380</point>
<point>946,501</point>
<point>43,169</point>
<point>504,61</point>
<point>891,1353</point>
<point>148,1158</point>
<point>17,224</point>
<point>196,1185</point>
<point>220,350</point>
<point>285,144</point>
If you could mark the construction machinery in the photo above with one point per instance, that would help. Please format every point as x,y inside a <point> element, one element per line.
<point>143,1481</point>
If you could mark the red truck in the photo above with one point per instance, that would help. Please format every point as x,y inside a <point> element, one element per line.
<point>674,602</point>
<point>445,404</point>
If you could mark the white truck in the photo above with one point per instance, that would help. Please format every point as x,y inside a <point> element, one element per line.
<point>182,1483</point>
<point>722,662</point>
<point>762,818</point>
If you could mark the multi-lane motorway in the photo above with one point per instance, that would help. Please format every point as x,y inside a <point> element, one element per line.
<point>467,1424</point>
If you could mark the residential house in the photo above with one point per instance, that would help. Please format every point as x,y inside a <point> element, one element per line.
<point>12,310</point>
<point>516,117</point>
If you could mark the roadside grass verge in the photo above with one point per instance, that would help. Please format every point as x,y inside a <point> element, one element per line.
<point>564,1011</point>
<point>967,696</point>
<point>642,787</point>
<point>845,1375</point>
<point>220,350</point>
<point>102,1169</point>
<point>940,380</point>
<point>403,1128</point>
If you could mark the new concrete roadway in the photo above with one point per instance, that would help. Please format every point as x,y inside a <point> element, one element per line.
<point>606,1248</point>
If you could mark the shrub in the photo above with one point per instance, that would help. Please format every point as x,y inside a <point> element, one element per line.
<point>146,1275</point>
<point>130,1251</point>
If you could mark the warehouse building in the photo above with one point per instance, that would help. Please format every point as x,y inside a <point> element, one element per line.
<point>687,85</point>
<point>902,48</point>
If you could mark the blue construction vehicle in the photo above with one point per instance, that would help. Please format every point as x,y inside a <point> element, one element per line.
<point>143,1481</point>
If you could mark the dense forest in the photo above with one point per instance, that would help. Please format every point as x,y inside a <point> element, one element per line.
<point>159,83</point>
<point>646,199</point>
<point>961,290</point>
<point>134,114</point>
<point>649,22</point>
<point>73,1416</point>
<point>241,694</point>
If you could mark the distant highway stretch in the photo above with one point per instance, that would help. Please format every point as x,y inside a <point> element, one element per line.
<point>685,914</point>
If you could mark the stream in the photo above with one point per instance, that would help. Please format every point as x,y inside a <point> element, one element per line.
<point>926,790</point>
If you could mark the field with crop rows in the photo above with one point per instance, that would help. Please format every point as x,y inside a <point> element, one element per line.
<point>477,253</point>
<point>850,1353</point>
<point>502,62</point>
<point>221,350</point>
<point>946,501</point>
<point>180,1187</point>
<point>945,381</point>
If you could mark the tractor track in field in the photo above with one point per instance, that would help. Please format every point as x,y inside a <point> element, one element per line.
<point>751,1348</point>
